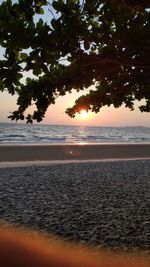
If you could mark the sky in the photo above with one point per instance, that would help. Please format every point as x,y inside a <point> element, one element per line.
<point>108,116</point>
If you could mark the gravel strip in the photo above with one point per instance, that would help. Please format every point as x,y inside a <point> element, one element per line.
<point>105,204</point>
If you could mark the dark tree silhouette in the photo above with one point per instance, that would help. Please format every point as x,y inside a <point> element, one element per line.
<point>101,43</point>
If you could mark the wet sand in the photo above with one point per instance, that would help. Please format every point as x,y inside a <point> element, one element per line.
<point>21,153</point>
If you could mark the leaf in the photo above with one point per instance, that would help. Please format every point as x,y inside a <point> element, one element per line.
<point>28,80</point>
<point>40,24</point>
<point>41,11</point>
<point>55,5</point>
<point>40,3</point>
<point>9,2</point>
<point>55,24</point>
<point>37,71</point>
<point>23,56</point>
<point>86,43</point>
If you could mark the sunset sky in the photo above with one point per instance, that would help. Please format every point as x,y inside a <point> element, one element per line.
<point>56,113</point>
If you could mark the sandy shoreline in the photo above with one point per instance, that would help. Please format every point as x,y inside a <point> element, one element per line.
<point>24,153</point>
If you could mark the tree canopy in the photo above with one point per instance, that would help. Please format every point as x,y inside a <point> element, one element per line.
<point>100,45</point>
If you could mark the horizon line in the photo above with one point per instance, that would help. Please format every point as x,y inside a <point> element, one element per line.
<point>74,125</point>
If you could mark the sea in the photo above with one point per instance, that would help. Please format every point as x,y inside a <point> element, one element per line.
<point>17,133</point>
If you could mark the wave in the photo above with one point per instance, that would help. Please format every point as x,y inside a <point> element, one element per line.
<point>18,133</point>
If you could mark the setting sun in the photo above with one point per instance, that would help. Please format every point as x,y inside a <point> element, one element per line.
<point>84,115</point>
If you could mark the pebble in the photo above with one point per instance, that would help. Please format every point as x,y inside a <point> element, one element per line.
<point>105,204</point>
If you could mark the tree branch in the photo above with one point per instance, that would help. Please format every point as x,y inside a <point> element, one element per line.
<point>116,62</point>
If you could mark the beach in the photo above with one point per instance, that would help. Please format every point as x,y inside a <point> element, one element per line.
<point>24,153</point>
<point>93,194</point>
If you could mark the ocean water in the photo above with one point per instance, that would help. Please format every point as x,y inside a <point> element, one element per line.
<point>15,133</point>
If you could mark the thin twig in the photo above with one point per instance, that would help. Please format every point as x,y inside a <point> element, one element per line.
<point>50,10</point>
<point>116,62</point>
<point>82,6</point>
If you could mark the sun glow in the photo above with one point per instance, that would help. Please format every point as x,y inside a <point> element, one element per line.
<point>84,115</point>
